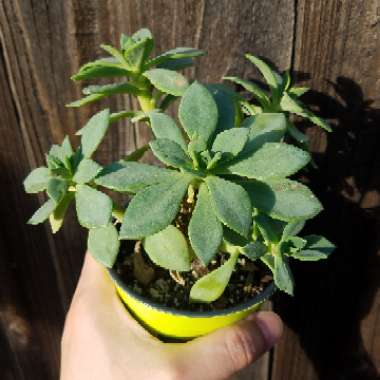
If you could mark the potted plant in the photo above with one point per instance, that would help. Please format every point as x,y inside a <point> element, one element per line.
<point>206,236</point>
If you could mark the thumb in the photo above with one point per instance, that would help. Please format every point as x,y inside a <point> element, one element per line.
<point>219,355</point>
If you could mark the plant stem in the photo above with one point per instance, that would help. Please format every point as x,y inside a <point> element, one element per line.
<point>147,103</point>
<point>117,213</point>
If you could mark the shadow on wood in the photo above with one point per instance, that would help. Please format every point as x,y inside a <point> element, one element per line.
<point>333,297</point>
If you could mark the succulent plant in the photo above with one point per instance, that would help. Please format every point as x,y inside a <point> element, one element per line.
<point>223,185</point>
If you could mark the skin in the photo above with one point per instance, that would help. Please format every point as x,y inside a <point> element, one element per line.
<point>101,341</point>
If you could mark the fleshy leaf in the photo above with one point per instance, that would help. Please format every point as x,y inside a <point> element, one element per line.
<point>86,171</point>
<point>168,249</point>
<point>170,153</point>
<point>198,112</point>
<point>292,229</point>
<point>295,106</point>
<point>37,180</point>
<point>263,128</point>
<point>225,102</point>
<point>131,176</point>
<point>103,244</point>
<point>283,199</point>
<point>112,88</point>
<point>56,189</point>
<point>164,127</point>
<point>43,212</point>
<point>317,248</point>
<point>231,204</point>
<point>94,208</point>
<point>253,88</point>
<point>167,81</point>
<point>86,100</point>
<point>283,276</point>
<point>254,250</point>
<point>270,229</point>
<point>175,54</point>
<point>205,231</point>
<point>272,160</point>
<point>57,216</point>
<point>93,132</point>
<point>269,75</point>
<point>105,67</point>
<point>298,91</point>
<point>231,141</point>
<point>211,286</point>
<point>154,208</point>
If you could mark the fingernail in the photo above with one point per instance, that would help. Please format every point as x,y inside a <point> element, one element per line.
<point>270,325</point>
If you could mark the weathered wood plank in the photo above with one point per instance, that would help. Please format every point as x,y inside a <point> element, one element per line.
<point>334,318</point>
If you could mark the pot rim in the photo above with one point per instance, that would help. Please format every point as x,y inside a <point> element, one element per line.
<point>268,291</point>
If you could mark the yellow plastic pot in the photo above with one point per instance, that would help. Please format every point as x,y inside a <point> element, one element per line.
<point>178,324</point>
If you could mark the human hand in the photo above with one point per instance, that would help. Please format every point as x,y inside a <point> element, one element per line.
<point>102,341</point>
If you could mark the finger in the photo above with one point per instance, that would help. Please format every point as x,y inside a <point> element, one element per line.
<point>97,291</point>
<point>94,276</point>
<point>226,351</point>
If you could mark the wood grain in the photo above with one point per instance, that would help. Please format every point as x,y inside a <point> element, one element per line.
<point>334,318</point>
<point>333,322</point>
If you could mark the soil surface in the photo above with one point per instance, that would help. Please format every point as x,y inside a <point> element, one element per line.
<point>172,289</point>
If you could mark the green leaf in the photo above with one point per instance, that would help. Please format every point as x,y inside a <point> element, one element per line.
<point>86,171</point>
<point>268,260</point>
<point>170,153</point>
<point>269,75</point>
<point>168,249</point>
<point>164,127</point>
<point>103,244</point>
<point>66,146</point>
<point>167,81</point>
<point>137,54</point>
<point>270,229</point>
<point>263,128</point>
<point>94,208</point>
<point>231,141</point>
<point>225,101</point>
<point>131,176</point>
<point>317,248</point>
<point>231,204</point>
<point>93,132</point>
<point>176,64</point>
<point>104,67</point>
<point>56,189</point>
<point>198,112</point>
<point>254,250</point>
<point>253,88</point>
<point>142,34</point>
<point>211,286</point>
<point>154,208</point>
<point>114,52</point>
<point>86,100</point>
<point>113,88</point>
<point>272,160</point>
<point>295,106</point>
<point>233,239</point>
<point>283,199</point>
<point>283,276</point>
<point>174,55</point>
<point>298,91</point>
<point>292,229</point>
<point>43,212</point>
<point>57,216</point>
<point>136,154</point>
<point>37,180</point>
<point>205,231</point>
<point>296,134</point>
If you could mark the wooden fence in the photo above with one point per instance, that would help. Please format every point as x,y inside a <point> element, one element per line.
<point>333,322</point>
